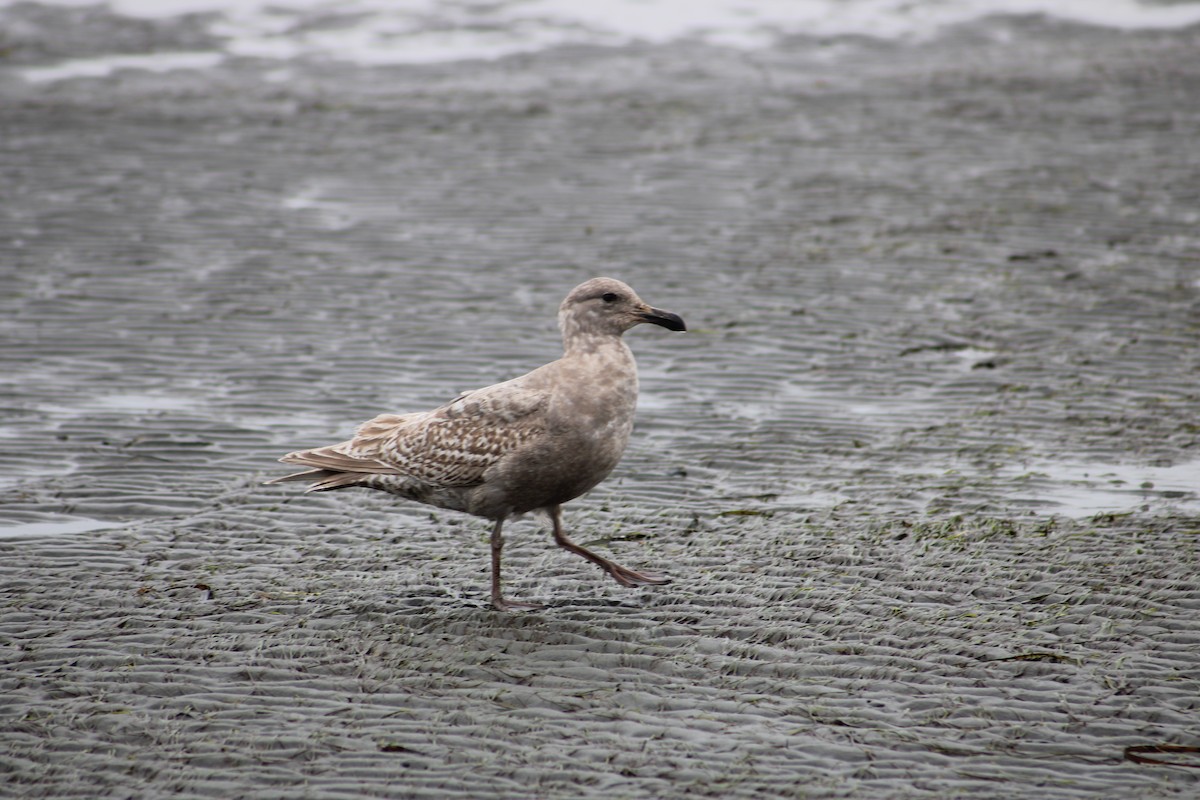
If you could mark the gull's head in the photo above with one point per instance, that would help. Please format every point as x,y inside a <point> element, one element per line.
<point>607,307</point>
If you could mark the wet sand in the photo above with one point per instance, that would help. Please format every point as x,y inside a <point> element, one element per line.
<point>945,307</point>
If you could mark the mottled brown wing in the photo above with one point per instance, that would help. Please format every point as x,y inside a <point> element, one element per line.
<point>452,446</point>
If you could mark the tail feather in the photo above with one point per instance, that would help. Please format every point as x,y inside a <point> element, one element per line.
<point>338,480</point>
<point>329,468</point>
<point>323,480</point>
<point>333,459</point>
<point>306,475</point>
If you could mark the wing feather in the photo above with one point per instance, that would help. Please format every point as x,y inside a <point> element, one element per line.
<point>452,446</point>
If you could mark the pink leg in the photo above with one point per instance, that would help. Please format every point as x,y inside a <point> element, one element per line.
<point>622,575</point>
<point>498,601</point>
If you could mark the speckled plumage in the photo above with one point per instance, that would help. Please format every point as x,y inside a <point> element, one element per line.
<point>531,443</point>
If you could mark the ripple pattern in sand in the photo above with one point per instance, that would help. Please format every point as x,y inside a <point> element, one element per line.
<point>931,288</point>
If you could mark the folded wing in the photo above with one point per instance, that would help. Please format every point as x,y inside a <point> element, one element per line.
<point>450,447</point>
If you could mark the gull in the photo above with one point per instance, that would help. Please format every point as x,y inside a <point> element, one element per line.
<point>529,444</point>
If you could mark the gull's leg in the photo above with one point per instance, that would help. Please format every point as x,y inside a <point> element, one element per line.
<point>622,575</point>
<point>498,601</point>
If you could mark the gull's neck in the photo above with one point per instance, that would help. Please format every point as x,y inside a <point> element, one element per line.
<point>579,343</point>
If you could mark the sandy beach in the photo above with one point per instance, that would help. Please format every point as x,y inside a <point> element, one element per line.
<point>924,469</point>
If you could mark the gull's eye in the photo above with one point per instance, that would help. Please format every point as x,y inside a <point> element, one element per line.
<point>609,297</point>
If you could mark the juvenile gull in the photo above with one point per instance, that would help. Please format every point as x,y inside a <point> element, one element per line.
<point>528,444</point>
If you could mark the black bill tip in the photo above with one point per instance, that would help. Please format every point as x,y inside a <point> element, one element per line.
<point>672,322</point>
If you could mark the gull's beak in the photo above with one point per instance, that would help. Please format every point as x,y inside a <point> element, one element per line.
<point>672,322</point>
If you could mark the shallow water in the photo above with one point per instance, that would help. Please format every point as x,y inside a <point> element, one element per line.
<point>943,314</point>
<point>383,32</point>
<point>1083,489</point>
<point>55,527</point>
